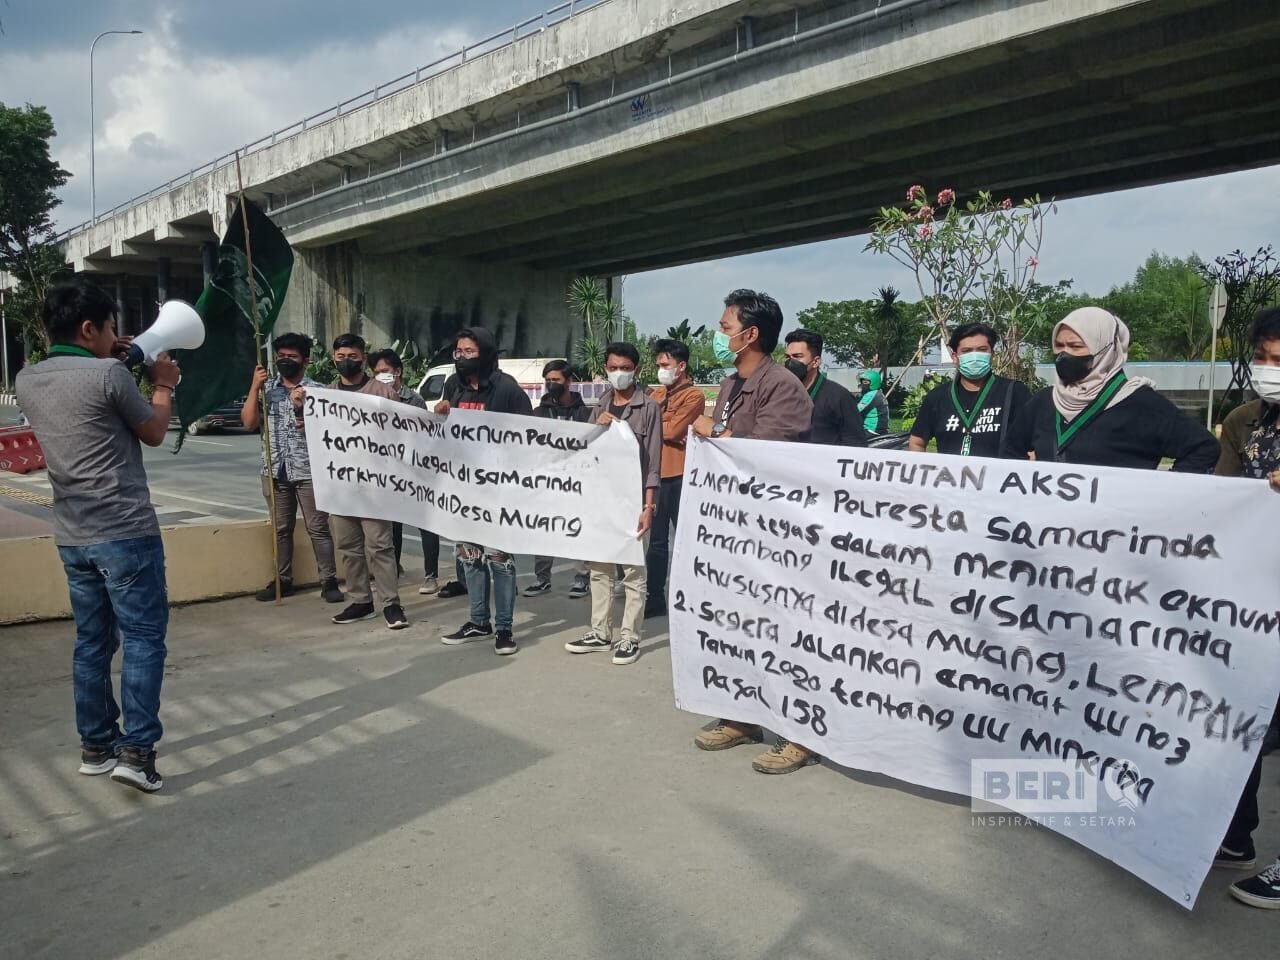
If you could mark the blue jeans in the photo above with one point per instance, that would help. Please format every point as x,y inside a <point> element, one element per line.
<point>118,592</point>
<point>473,558</point>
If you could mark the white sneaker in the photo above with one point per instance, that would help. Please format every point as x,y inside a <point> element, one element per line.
<point>430,587</point>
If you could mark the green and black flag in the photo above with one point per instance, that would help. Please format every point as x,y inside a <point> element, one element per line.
<point>218,372</point>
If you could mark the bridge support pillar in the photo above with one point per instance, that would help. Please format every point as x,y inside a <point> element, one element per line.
<point>417,296</point>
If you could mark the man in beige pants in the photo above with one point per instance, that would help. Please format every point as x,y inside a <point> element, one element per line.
<point>366,547</point>
<point>630,404</point>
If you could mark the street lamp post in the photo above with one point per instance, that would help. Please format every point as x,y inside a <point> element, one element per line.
<point>93,186</point>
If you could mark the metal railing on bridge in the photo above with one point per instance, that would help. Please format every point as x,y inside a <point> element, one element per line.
<point>497,41</point>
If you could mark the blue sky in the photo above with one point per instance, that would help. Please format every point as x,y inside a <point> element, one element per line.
<point>206,77</point>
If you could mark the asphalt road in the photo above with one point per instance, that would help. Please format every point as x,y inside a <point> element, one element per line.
<point>215,477</point>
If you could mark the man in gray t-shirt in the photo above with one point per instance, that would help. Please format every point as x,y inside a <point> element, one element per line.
<point>90,418</point>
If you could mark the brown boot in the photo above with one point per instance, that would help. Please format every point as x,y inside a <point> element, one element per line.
<point>726,734</point>
<point>786,757</point>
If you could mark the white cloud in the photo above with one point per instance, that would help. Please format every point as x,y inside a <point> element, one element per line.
<point>1098,242</point>
<point>162,109</point>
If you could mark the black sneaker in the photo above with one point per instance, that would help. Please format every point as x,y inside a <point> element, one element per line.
<point>537,588</point>
<point>95,761</point>
<point>356,612</point>
<point>1260,891</point>
<point>1236,859</point>
<point>466,633</point>
<point>138,770</point>
<point>579,589</point>
<point>269,591</point>
<point>453,588</point>
<point>505,644</point>
<point>589,644</point>
<point>628,651</point>
<point>655,607</point>
<point>329,591</point>
<point>396,620</point>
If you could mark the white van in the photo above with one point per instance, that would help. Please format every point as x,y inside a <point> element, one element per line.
<point>525,371</point>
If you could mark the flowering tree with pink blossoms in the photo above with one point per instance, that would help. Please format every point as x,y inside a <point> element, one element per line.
<point>981,253</point>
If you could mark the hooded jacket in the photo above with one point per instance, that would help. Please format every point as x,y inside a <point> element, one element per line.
<point>872,404</point>
<point>575,410</point>
<point>495,391</point>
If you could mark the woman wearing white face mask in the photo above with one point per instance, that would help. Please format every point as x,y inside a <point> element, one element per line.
<point>1097,414</point>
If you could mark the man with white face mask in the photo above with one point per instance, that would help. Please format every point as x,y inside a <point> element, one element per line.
<point>1251,448</point>
<point>388,369</point>
<point>681,403</point>
<point>626,402</point>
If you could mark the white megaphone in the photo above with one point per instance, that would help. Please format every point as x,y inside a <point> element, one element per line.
<point>177,327</point>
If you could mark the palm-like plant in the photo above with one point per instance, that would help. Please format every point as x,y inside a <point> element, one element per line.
<point>683,333</point>
<point>600,317</point>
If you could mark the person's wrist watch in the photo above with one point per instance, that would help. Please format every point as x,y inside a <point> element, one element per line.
<point>718,429</point>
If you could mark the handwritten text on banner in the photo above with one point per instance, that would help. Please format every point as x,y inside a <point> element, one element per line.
<point>521,484</point>
<point>909,614</point>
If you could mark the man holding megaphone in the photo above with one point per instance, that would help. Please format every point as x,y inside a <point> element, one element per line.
<point>89,417</point>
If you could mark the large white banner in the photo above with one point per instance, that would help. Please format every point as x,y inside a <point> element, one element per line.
<point>520,484</point>
<point>970,624</point>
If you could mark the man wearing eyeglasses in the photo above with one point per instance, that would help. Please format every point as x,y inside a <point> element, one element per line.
<point>478,384</point>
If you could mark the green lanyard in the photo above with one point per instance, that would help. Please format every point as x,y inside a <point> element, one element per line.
<point>817,385</point>
<point>70,350</point>
<point>967,419</point>
<point>1095,408</point>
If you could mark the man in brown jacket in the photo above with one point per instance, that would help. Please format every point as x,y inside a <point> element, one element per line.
<point>681,403</point>
<point>628,403</point>
<point>761,401</point>
<point>1251,448</point>
<point>366,547</point>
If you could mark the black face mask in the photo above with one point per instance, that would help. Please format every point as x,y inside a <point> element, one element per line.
<point>288,367</point>
<point>350,368</point>
<point>468,366</point>
<point>1072,369</point>
<point>554,388</point>
<point>801,370</point>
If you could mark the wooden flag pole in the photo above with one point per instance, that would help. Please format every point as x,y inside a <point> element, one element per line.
<point>262,397</point>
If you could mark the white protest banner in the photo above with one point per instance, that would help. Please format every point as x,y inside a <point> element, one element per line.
<point>1098,649</point>
<point>519,484</point>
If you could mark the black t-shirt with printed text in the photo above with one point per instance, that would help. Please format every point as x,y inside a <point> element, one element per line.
<point>938,418</point>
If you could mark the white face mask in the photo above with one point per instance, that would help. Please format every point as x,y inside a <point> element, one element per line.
<point>667,377</point>
<point>388,378</point>
<point>1266,383</point>
<point>621,379</point>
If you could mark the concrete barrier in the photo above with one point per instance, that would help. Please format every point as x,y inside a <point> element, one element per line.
<point>202,562</point>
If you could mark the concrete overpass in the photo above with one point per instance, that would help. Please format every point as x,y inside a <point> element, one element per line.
<point>640,133</point>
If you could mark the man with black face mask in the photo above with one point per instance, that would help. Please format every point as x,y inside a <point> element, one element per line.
<point>836,419</point>
<point>366,546</point>
<point>559,402</point>
<point>290,470</point>
<point>480,385</point>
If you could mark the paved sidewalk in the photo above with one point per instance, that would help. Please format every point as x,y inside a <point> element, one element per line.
<point>350,793</point>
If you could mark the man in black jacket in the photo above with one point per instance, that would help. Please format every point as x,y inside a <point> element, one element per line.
<point>480,385</point>
<point>836,419</point>
<point>559,402</point>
